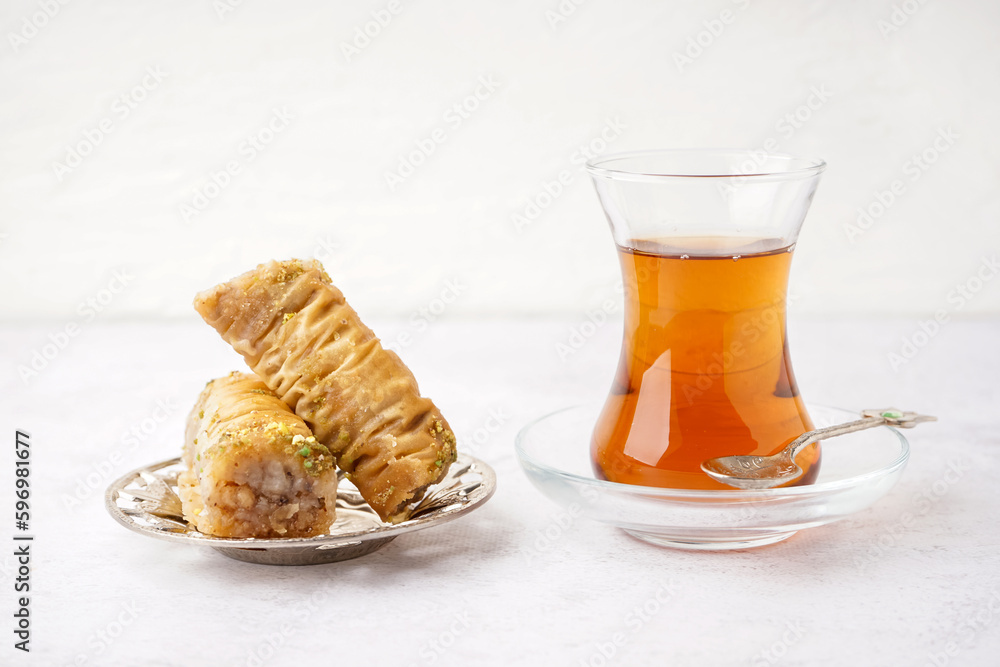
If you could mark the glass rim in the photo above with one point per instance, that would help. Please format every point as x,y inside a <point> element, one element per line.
<point>599,166</point>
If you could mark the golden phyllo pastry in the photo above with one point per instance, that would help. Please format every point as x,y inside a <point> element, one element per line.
<point>254,469</point>
<point>297,332</point>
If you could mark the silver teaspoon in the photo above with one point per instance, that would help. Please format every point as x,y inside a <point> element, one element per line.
<point>765,472</point>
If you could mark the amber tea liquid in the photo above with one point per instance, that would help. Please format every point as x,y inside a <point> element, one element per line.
<point>704,370</point>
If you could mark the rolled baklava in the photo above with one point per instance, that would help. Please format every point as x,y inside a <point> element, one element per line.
<point>297,332</point>
<point>254,469</point>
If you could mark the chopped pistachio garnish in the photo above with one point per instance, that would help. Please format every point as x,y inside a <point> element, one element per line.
<point>285,275</point>
<point>280,427</point>
<point>317,459</point>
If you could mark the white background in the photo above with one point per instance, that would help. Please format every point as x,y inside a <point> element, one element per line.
<point>890,81</point>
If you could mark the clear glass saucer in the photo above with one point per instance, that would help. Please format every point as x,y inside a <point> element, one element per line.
<point>857,469</point>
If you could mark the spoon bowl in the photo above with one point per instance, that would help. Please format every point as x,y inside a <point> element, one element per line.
<point>754,472</point>
<point>766,472</point>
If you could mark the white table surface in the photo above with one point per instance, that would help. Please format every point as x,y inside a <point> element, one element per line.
<point>491,588</point>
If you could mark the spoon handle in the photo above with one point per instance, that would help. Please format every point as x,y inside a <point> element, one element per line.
<point>870,419</point>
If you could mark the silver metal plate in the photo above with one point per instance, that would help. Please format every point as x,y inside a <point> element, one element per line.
<point>146,501</point>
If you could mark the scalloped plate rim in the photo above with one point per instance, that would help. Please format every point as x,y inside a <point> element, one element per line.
<point>477,497</point>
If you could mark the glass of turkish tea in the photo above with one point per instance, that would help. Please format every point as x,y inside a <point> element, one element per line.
<point>705,241</point>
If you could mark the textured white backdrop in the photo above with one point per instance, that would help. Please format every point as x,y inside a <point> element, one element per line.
<point>198,78</point>
<point>161,95</point>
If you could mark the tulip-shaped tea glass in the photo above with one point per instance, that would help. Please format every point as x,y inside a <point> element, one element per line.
<point>705,241</point>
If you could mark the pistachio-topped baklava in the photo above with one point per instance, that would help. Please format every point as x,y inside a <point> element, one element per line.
<point>254,469</point>
<point>297,332</point>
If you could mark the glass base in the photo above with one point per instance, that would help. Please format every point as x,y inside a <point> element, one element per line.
<point>708,544</point>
